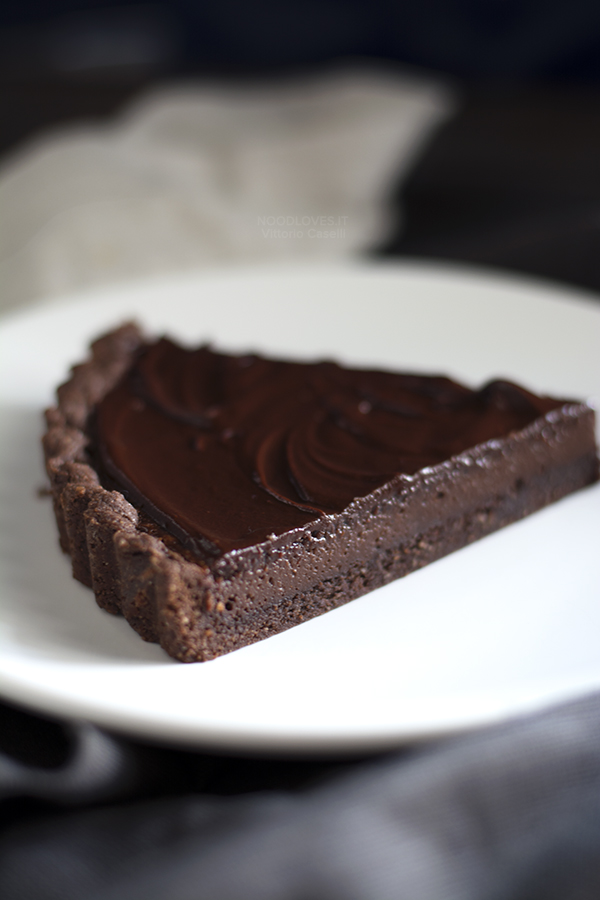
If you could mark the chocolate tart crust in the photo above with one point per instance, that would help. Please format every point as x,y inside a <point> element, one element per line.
<point>199,610</point>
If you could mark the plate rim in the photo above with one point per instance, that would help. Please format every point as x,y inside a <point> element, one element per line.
<point>225,738</point>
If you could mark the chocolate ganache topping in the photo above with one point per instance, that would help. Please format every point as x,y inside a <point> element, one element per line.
<point>224,451</point>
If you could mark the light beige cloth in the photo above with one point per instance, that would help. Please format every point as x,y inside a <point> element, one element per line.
<point>195,175</point>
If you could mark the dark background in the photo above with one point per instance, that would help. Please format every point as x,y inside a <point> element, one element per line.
<point>513,180</point>
<point>469,38</point>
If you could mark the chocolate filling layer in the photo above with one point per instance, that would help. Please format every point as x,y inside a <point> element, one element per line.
<point>224,451</point>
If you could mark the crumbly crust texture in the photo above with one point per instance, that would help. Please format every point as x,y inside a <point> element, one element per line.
<point>200,610</point>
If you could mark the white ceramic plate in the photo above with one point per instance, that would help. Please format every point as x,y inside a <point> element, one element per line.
<point>505,626</point>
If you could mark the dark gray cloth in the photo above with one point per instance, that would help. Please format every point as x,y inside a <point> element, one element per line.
<point>97,766</point>
<point>509,813</point>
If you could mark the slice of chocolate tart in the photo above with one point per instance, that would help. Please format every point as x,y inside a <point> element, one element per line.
<point>215,500</point>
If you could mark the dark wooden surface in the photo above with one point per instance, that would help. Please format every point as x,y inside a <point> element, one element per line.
<point>513,180</point>
<point>29,107</point>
